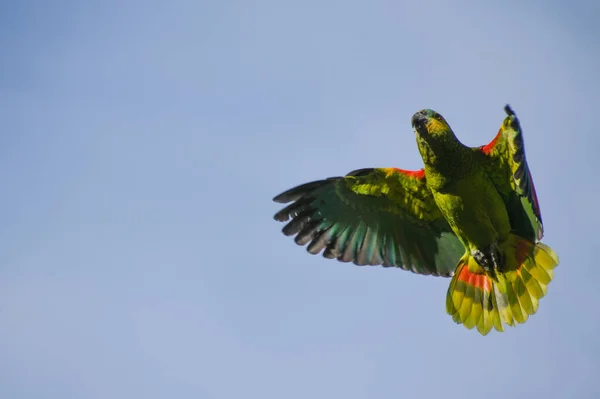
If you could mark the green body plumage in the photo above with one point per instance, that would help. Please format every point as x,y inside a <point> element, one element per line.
<point>471,213</point>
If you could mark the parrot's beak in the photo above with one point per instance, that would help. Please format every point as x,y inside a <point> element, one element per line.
<point>419,122</point>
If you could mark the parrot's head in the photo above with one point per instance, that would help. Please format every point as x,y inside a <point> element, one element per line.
<point>434,135</point>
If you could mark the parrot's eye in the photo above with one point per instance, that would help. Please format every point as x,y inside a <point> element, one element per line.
<point>438,117</point>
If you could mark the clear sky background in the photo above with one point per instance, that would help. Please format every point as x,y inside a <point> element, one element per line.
<point>142,143</point>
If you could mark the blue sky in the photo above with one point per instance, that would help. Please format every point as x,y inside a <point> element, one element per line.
<point>143,142</point>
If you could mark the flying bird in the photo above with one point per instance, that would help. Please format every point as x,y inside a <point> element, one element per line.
<point>471,213</point>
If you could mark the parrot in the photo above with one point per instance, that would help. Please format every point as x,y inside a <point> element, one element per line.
<point>470,214</point>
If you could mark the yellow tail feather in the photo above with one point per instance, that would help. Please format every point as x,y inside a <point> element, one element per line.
<point>476,299</point>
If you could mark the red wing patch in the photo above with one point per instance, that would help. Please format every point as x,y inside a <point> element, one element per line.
<point>419,174</point>
<point>490,146</point>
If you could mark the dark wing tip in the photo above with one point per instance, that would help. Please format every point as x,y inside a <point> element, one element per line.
<point>281,216</point>
<point>514,121</point>
<point>300,208</point>
<point>509,111</point>
<point>298,192</point>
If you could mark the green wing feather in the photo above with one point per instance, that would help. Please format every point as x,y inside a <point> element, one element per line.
<point>508,169</point>
<point>378,216</point>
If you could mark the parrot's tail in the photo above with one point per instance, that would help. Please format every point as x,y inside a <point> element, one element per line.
<point>476,298</point>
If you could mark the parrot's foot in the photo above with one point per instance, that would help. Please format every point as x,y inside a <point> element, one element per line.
<point>490,258</point>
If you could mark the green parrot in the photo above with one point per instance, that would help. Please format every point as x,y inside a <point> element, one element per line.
<point>471,214</point>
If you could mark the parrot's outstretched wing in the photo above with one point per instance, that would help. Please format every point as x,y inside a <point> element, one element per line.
<point>378,216</point>
<point>508,169</point>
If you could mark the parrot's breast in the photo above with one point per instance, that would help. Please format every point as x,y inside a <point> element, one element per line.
<point>475,211</point>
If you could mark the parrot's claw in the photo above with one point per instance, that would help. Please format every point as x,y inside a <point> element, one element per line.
<point>480,258</point>
<point>490,258</point>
